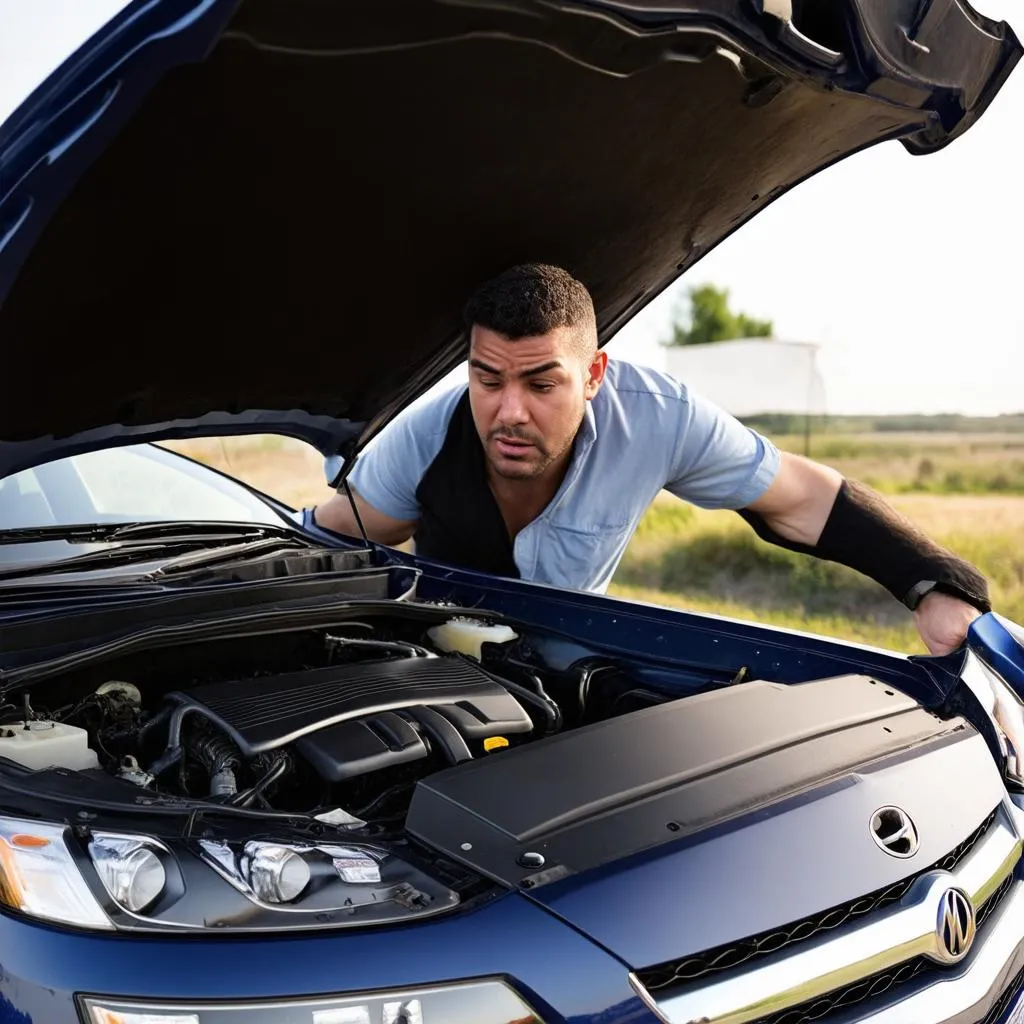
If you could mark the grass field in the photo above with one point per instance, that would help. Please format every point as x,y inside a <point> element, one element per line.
<point>713,562</point>
<point>965,490</point>
<point>923,463</point>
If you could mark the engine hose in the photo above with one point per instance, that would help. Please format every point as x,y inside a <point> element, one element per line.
<point>587,672</point>
<point>276,771</point>
<point>365,812</point>
<point>536,686</point>
<point>158,719</point>
<point>547,707</point>
<point>407,650</point>
<point>173,752</point>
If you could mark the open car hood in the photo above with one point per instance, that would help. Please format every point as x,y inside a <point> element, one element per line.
<point>221,217</point>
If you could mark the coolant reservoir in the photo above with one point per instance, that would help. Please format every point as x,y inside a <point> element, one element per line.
<point>47,745</point>
<point>467,635</point>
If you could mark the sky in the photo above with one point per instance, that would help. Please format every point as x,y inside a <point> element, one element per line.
<point>36,35</point>
<point>907,271</point>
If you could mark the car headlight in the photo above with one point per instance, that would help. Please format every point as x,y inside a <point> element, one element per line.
<point>483,1002</point>
<point>131,871</point>
<point>39,877</point>
<point>275,873</point>
<point>107,881</point>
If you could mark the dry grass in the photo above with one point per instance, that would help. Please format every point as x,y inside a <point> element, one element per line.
<point>711,561</point>
<point>289,470</point>
<point>935,463</point>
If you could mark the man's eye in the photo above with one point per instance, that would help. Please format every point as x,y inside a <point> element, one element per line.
<point>490,384</point>
<point>542,385</point>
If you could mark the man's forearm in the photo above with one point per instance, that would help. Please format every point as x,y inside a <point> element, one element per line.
<point>866,534</point>
<point>339,515</point>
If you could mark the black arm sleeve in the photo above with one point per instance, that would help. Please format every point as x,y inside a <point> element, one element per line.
<point>864,533</point>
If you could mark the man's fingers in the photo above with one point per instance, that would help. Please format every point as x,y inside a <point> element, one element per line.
<point>943,621</point>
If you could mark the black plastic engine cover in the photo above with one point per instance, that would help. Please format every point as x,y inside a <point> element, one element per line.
<point>362,745</point>
<point>268,712</point>
<point>602,792</point>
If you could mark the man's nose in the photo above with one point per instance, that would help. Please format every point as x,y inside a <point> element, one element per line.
<point>512,409</point>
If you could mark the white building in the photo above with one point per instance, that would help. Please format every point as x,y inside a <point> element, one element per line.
<point>753,375</point>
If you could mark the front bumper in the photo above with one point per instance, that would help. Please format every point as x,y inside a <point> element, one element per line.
<point>557,972</point>
<point>560,974</point>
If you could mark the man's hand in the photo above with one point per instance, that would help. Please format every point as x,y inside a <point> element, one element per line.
<point>798,504</point>
<point>942,621</point>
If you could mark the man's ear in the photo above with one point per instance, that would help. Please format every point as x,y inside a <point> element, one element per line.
<point>595,374</point>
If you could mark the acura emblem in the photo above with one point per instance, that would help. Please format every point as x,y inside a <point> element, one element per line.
<point>894,832</point>
<point>956,926</point>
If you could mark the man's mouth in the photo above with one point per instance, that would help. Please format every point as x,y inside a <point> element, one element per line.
<point>512,447</point>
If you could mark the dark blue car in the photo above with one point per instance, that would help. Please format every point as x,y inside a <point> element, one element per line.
<point>254,774</point>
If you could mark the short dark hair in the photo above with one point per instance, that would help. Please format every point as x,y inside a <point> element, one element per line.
<point>533,299</point>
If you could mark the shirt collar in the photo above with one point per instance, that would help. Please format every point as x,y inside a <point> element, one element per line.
<point>588,428</point>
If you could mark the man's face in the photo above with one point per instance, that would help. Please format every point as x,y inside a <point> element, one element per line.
<point>528,397</point>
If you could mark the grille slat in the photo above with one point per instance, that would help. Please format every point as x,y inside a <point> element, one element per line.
<point>843,999</point>
<point>995,1015</point>
<point>689,970</point>
<point>880,983</point>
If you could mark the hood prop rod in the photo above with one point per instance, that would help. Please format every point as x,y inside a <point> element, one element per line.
<point>355,510</point>
<point>349,454</point>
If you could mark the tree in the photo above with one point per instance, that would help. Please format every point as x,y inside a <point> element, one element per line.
<point>710,319</point>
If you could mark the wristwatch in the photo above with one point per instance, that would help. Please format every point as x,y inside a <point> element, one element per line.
<point>918,592</point>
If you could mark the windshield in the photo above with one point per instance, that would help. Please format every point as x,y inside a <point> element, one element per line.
<point>130,484</point>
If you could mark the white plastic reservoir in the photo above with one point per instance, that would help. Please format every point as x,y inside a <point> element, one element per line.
<point>47,745</point>
<point>467,636</point>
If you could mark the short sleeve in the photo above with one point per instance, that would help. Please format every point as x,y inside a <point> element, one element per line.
<point>718,462</point>
<point>388,472</point>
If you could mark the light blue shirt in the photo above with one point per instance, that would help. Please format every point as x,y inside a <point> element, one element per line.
<point>643,432</point>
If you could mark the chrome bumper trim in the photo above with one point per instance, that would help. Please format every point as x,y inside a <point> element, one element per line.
<point>890,938</point>
<point>969,992</point>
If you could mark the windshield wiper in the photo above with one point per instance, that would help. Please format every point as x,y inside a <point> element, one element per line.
<point>179,554</point>
<point>227,553</point>
<point>199,530</point>
<point>206,530</point>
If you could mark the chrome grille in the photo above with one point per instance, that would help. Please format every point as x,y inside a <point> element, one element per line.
<point>995,1015</point>
<point>851,968</point>
<point>877,984</point>
<point>987,908</point>
<point>724,958</point>
<point>868,988</point>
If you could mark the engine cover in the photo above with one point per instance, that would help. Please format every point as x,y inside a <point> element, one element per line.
<point>606,791</point>
<point>452,694</point>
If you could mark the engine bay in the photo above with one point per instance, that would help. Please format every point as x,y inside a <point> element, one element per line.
<point>404,761</point>
<point>340,722</point>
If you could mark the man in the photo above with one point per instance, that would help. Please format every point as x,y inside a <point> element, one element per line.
<point>543,466</point>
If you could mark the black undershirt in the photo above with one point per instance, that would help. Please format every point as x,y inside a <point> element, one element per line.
<point>460,522</point>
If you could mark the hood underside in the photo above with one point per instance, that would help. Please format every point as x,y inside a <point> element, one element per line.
<point>267,216</point>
